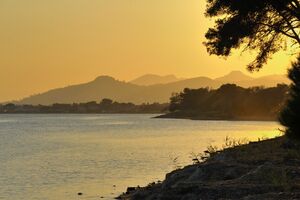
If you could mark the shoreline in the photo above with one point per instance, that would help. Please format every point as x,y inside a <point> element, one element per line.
<point>79,113</point>
<point>159,116</point>
<point>212,118</point>
<point>267,169</point>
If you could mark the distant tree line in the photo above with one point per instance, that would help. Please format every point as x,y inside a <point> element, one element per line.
<point>104,106</point>
<point>229,102</point>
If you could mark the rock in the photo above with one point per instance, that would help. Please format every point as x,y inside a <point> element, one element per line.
<point>288,145</point>
<point>257,171</point>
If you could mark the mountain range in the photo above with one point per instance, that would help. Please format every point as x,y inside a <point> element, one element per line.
<point>152,79</point>
<point>147,88</point>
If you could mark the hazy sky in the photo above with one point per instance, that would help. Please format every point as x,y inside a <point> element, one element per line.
<point>54,43</point>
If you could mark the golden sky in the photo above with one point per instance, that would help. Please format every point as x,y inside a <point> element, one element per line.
<point>54,43</point>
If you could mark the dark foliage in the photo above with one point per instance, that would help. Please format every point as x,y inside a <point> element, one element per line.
<point>105,106</point>
<point>262,25</point>
<point>290,116</point>
<point>229,102</point>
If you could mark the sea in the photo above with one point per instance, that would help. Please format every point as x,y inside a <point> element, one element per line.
<point>58,156</point>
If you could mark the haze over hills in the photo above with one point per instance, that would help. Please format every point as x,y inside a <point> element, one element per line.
<point>239,78</point>
<point>151,79</point>
<point>108,87</point>
<point>235,76</point>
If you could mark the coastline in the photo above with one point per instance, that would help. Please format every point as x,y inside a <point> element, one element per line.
<point>179,115</point>
<point>266,169</point>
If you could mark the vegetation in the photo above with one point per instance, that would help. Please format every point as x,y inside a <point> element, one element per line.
<point>290,117</point>
<point>229,102</point>
<point>212,150</point>
<point>262,170</point>
<point>256,170</point>
<point>105,106</point>
<point>265,26</point>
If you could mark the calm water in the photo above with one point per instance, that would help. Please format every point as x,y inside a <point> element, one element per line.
<point>57,156</point>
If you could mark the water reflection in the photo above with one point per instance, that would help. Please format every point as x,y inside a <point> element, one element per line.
<point>57,156</point>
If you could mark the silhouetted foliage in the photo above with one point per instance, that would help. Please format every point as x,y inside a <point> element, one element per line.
<point>105,106</point>
<point>106,102</point>
<point>290,115</point>
<point>229,102</point>
<point>262,25</point>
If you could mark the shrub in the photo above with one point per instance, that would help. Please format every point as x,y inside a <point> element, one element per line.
<point>290,115</point>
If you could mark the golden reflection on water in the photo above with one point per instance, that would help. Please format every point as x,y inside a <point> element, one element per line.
<point>54,157</point>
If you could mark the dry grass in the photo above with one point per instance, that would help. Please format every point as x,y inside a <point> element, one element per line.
<point>213,149</point>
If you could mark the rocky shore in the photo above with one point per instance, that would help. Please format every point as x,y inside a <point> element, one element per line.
<point>268,169</point>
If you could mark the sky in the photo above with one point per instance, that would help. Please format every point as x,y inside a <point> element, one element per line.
<point>54,43</point>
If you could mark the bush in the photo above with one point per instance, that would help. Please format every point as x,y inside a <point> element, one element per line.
<point>290,115</point>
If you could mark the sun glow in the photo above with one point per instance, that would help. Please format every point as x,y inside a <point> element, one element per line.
<point>48,44</point>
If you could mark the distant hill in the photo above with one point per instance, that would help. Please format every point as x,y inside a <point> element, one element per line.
<point>267,81</point>
<point>152,79</point>
<point>108,87</point>
<point>234,77</point>
<point>243,80</point>
<point>101,87</point>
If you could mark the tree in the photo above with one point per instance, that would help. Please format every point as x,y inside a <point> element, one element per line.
<point>263,25</point>
<point>175,101</point>
<point>289,116</point>
<point>229,102</point>
<point>106,102</point>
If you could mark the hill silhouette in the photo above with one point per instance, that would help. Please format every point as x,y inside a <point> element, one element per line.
<point>152,79</point>
<point>234,76</point>
<point>108,87</point>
